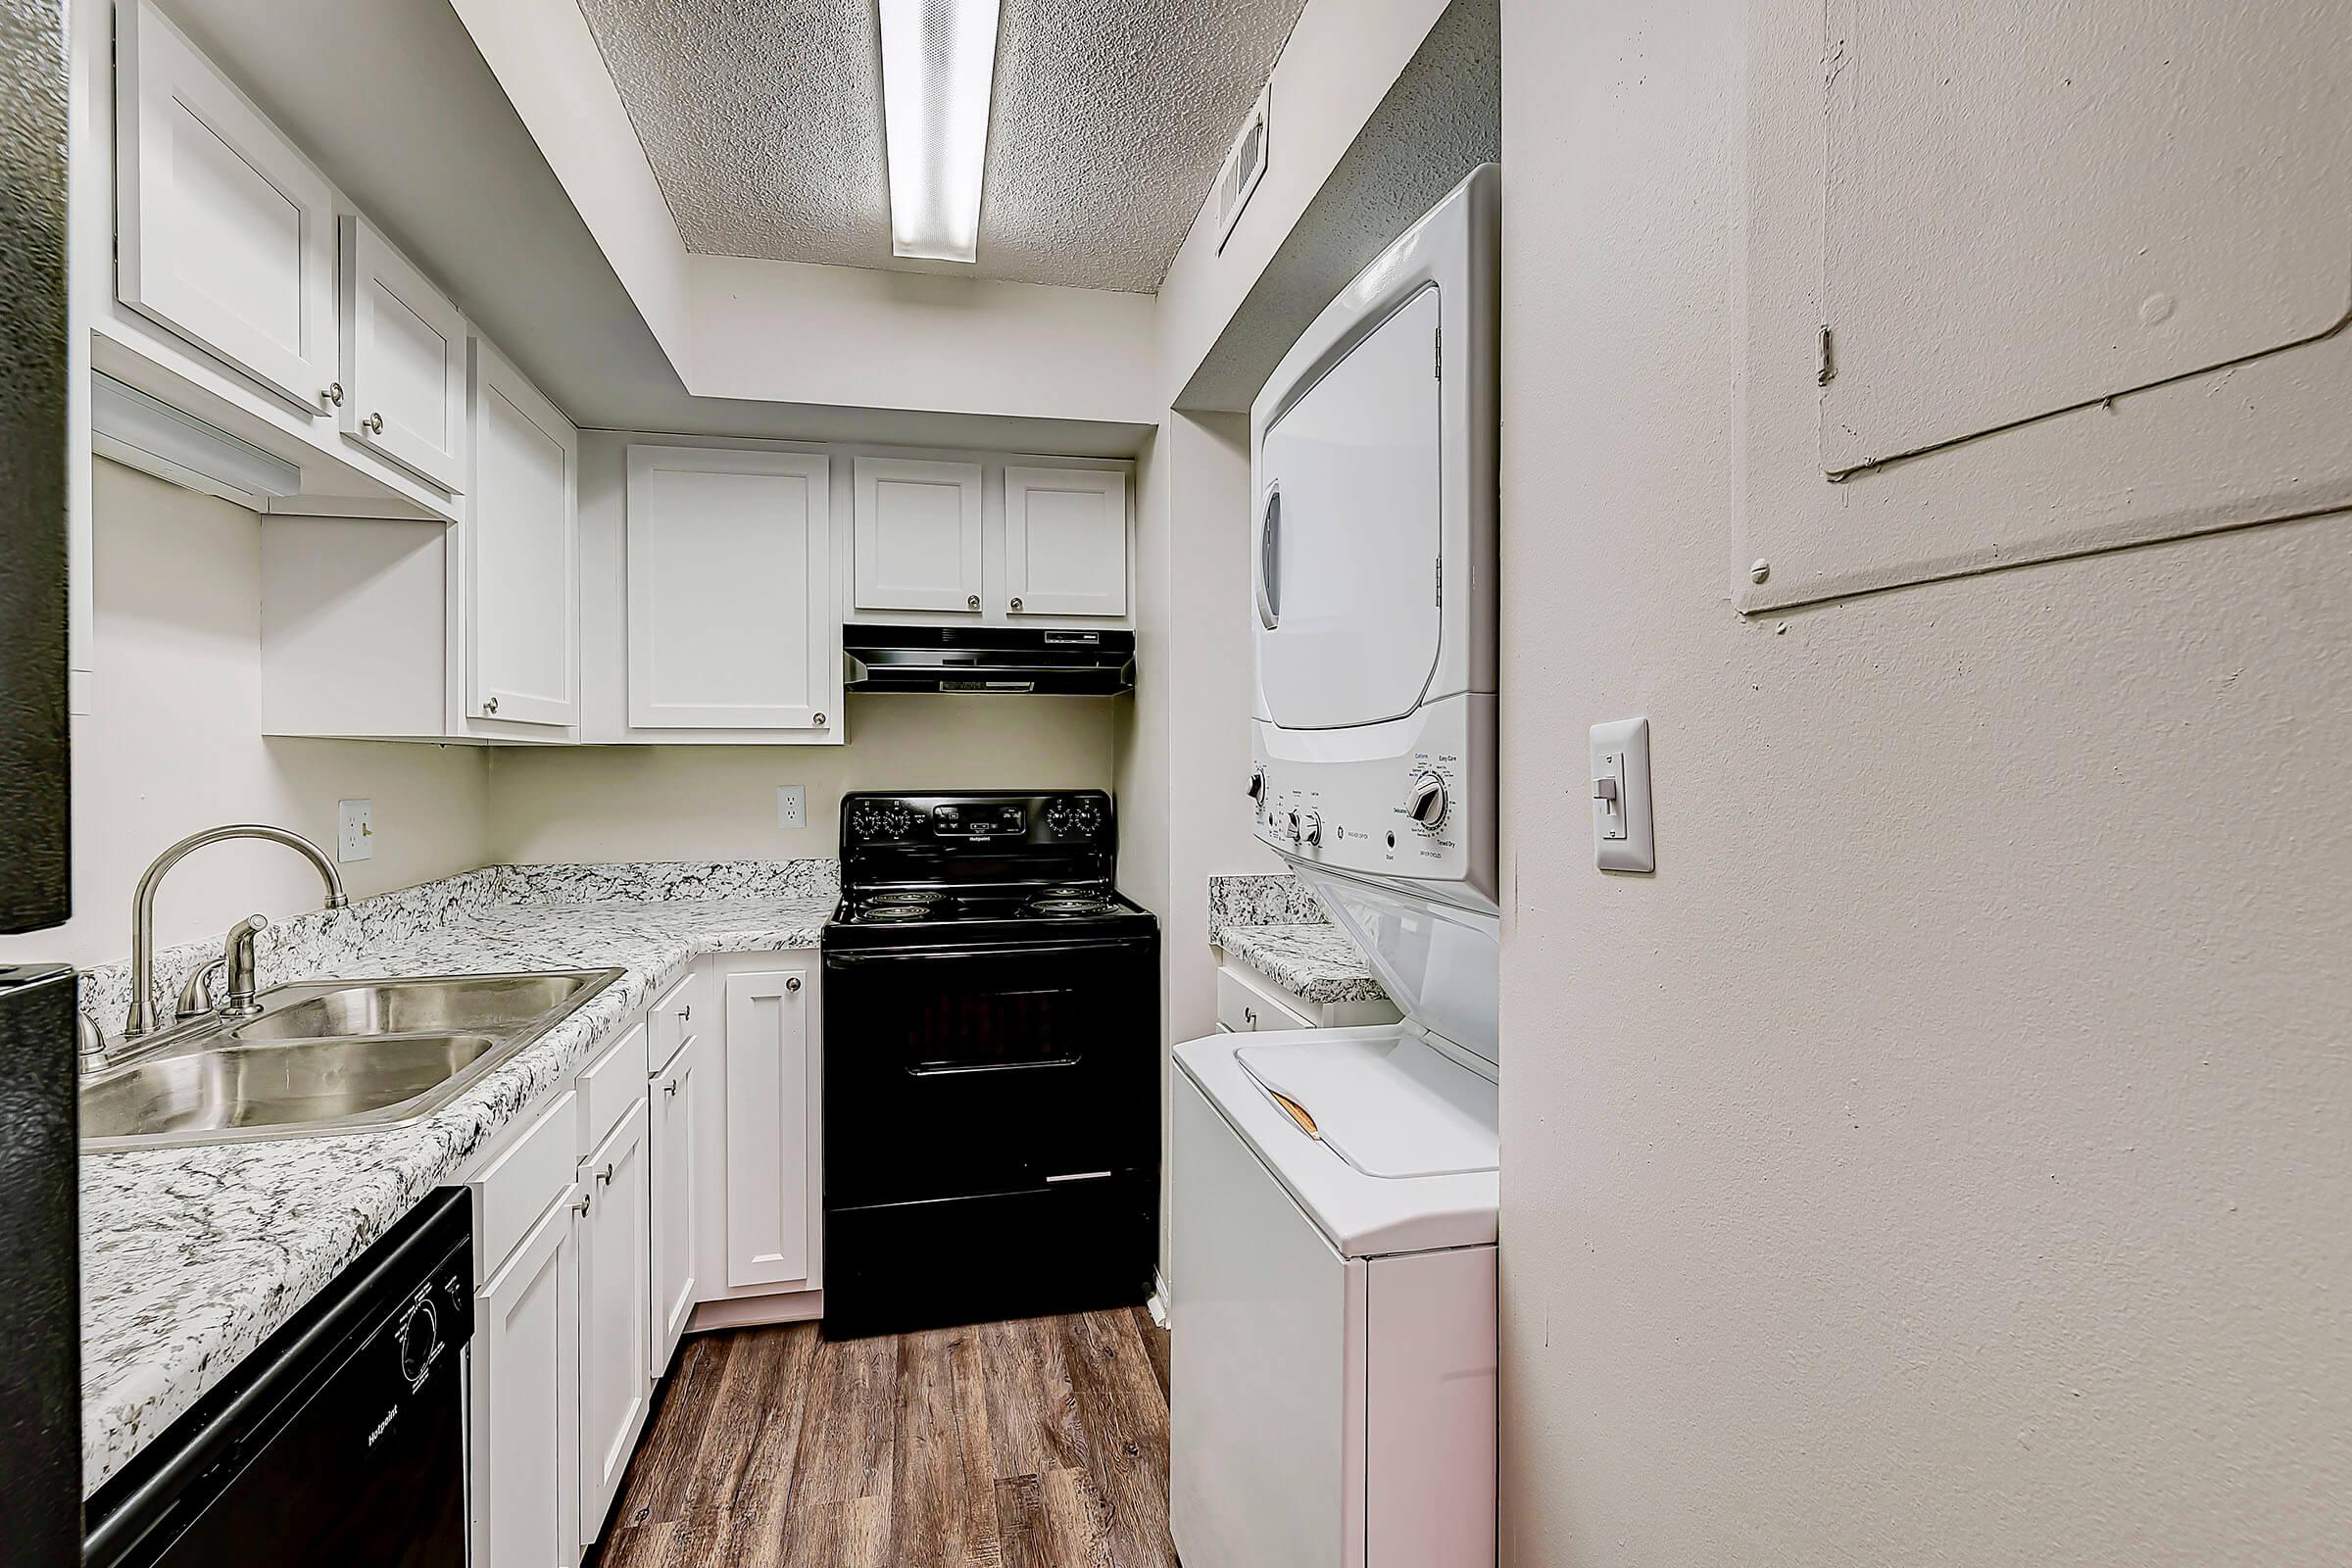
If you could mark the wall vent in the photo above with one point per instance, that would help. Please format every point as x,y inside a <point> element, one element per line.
<point>1244,166</point>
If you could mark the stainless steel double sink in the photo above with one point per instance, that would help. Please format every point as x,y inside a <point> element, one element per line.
<point>327,1057</point>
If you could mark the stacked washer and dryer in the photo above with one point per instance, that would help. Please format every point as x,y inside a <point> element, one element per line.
<point>1334,1189</point>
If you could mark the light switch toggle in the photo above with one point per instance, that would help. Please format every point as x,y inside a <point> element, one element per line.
<point>1622,839</point>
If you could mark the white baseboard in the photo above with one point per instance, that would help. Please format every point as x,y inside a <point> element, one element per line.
<point>750,1312</point>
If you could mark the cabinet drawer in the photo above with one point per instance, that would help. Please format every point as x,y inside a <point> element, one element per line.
<point>517,1187</point>
<point>671,1022</point>
<point>1243,1006</point>
<point>609,1086</point>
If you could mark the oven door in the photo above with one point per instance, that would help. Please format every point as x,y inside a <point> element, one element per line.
<point>989,1069</point>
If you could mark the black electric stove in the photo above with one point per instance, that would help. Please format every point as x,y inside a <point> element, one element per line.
<point>992,1063</point>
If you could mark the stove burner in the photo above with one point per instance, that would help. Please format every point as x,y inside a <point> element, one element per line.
<point>1072,893</point>
<point>1080,906</point>
<point>889,912</point>
<point>908,896</point>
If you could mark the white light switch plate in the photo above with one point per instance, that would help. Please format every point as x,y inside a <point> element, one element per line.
<point>1619,787</point>
<point>791,806</point>
<point>355,830</point>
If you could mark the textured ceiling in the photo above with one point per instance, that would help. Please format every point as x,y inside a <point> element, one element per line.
<point>763,119</point>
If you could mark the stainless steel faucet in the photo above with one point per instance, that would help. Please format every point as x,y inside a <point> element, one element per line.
<point>240,942</point>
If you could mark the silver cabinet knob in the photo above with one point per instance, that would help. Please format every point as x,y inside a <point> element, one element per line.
<point>1425,803</point>
<point>973,602</point>
<point>604,1177</point>
<point>670,1088</point>
<point>793,983</point>
<point>489,705</point>
<point>334,394</point>
<point>1017,604</point>
<point>686,1013</point>
<point>1250,1016</point>
<point>817,720</point>
<point>373,424</point>
<point>581,1207</point>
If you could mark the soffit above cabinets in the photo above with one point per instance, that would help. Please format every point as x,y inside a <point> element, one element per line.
<point>763,120</point>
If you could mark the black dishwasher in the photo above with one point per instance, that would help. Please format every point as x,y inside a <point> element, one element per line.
<point>340,1440</point>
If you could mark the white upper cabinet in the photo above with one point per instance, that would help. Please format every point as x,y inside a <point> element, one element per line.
<point>225,234</point>
<point>522,566</point>
<point>731,620</point>
<point>1065,541</point>
<point>917,536</point>
<point>404,361</point>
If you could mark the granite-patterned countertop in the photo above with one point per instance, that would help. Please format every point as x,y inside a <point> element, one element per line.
<point>192,1256</point>
<point>1314,962</point>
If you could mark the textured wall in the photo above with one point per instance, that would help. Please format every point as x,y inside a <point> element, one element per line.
<point>719,802</point>
<point>175,745</point>
<point>1943,1158</point>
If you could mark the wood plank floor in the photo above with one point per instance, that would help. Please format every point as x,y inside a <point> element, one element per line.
<point>1036,1443</point>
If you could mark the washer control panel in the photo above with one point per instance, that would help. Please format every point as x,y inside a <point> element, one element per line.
<point>1424,812</point>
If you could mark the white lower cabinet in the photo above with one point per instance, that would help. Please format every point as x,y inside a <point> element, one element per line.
<point>699,1191</point>
<point>676,1100</point>
<point>769,1094</point>
<point>615,1311</point>
<point>524,1388</point>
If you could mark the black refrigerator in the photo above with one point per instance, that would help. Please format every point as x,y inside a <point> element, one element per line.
<point>40,1374</point>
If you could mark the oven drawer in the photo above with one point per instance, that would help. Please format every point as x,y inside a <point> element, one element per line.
<point>950,1073</point>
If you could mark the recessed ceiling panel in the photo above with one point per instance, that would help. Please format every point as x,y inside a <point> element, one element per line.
<point>763,119</point>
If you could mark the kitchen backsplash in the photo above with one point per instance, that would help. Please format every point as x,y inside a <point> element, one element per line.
<point>319,942</point>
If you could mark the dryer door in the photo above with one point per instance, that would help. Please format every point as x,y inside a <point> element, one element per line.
<point>1348,537</point>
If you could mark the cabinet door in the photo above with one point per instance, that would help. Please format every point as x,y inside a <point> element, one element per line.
<point>404,361</point>
<point>769,1105</point>
<point>225,234</point>
<point>676,1099</point>
<point>523,557</point>
<point>525,1379</point>
<point>730,573</point>
<point>614,1313</point>
<point>918,535</point>
<point>1065,541</point>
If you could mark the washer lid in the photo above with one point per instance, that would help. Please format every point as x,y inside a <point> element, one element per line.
<point>1392,1109</point>
<point>1398,1103</point>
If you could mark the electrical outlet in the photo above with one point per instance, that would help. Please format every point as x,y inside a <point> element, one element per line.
<point>355,830</point>
<point>791,806</point>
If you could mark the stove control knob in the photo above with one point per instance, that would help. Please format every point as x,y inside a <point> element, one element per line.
<point>1074,818</point>
<point>1310,827</point>
<point>1425,803</point>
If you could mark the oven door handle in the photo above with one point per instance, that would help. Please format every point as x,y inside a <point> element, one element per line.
<point>965,1068</point>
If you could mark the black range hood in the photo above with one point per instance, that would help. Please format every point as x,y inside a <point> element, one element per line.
<point>1003,660</point>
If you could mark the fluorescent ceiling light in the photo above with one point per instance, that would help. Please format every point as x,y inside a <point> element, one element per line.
<point>939,64</point>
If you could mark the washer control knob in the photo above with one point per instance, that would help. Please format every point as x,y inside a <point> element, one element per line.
<point>1425,803</point>
<point>1310,827</point>
<point>1290,824</point>
<point>1257,784</point>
